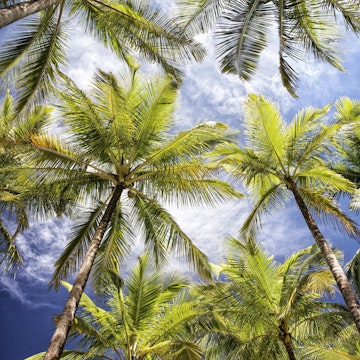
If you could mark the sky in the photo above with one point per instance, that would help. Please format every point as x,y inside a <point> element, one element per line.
<point>26,304</point>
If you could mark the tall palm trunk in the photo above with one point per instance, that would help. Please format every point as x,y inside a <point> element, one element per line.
<point>290,350</point>
<point>16,12</point>
<point>63,326</point>
<point>334,266</point>
<point>286,339</point>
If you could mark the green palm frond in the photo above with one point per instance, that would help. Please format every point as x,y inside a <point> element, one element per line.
<point>199,16</point>
<point>39,49</point>
<point>18,195</point>
<point>190,144</point>
<point>10,256</point>
<point>288,47</point>
<point>163,234</point>
<point>66,355</point>
<point>241,36</point>
<point>347,9</point>
<point>272,199</point>
<point>79,240</point>
<point>329,354</point>
<point>114,248</point>
<point>329,211</point>
<point>303,128</point>
<point>144,289</point>
<point>348,110</point>
<point>355,200</point>
<point>353,271</point>
<point>323,177</point>
<point>264,129</point>
<point>316,34</point>
<point>160,100</point>
<point>242,28</point>
<point>145,315</point>
<point>33,54</point>
<point>144,29</point>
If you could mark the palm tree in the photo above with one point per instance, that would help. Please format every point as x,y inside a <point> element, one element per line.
<point>349,146</point>
<point>303,28</point>
<point>118,154</point>
<point>145,316</point>
<point>280,160</point>
<point>15,197</point>
<point>37,48</point>
<point>265,309</point>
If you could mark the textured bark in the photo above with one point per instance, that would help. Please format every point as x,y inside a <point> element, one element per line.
<point>21,10</point>
<point>290,350</point>
<point>285,337</point>
<point>331,260</point>
<point>63,326</point>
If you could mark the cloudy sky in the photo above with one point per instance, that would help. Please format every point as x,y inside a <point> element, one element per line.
<point>26,305</point>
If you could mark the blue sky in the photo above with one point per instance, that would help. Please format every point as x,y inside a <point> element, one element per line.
<point>26,305</point>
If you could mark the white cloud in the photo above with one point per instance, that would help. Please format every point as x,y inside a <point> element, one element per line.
<point>40,246</point>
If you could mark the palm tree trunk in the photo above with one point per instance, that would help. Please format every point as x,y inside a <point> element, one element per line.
<point>16,12</point>
<point>334,266</point>
<point>63,326</point>
<point>290,350</point>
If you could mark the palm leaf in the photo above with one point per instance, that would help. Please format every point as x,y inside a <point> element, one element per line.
<point>39,48</point>
<point>199,16</point>
<point>329,211</point>
<point>264,129</point>
<point>241,36</point>
<point>317,34</point>
<point>79,240</point>
<point>149,32</point>
<point>161,234</point>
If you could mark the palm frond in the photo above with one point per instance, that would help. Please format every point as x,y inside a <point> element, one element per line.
<point>144,288</point>
<point>189,144</point>
<point>328,211</point>
<point>241,36</point>
<point>10,256</point>
<point>264,129</point>
<point>302,128</point>
<point>323,177</point>
<point>38,49</point>
<point>86,122</point>
<point>271,199</point>
<point>79,239</point>
<point>114,248</point>
<point>328,353</point>
<point>154,115</point>
<point>348,9</point>
<point>162,234</point>
<point>199,16</point>
<point>355,200</point>
<point>353,272</point>
<point>148,31</point>
<point>317,33</point>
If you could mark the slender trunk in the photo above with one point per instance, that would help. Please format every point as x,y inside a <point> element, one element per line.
<point>16,12</point>
<point>289,349</point>
<point>63,326</point>
<point>334,266</point>
<point>285,337</point>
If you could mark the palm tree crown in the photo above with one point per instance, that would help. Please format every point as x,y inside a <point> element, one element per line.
<point>121,138</point>
<point>280,160</point>
<point>119,155</point>
<point>243,27</point>
<point>274,310</point>
<point>37,49</point>
<point>17,199</point>
<point>144,317</point>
